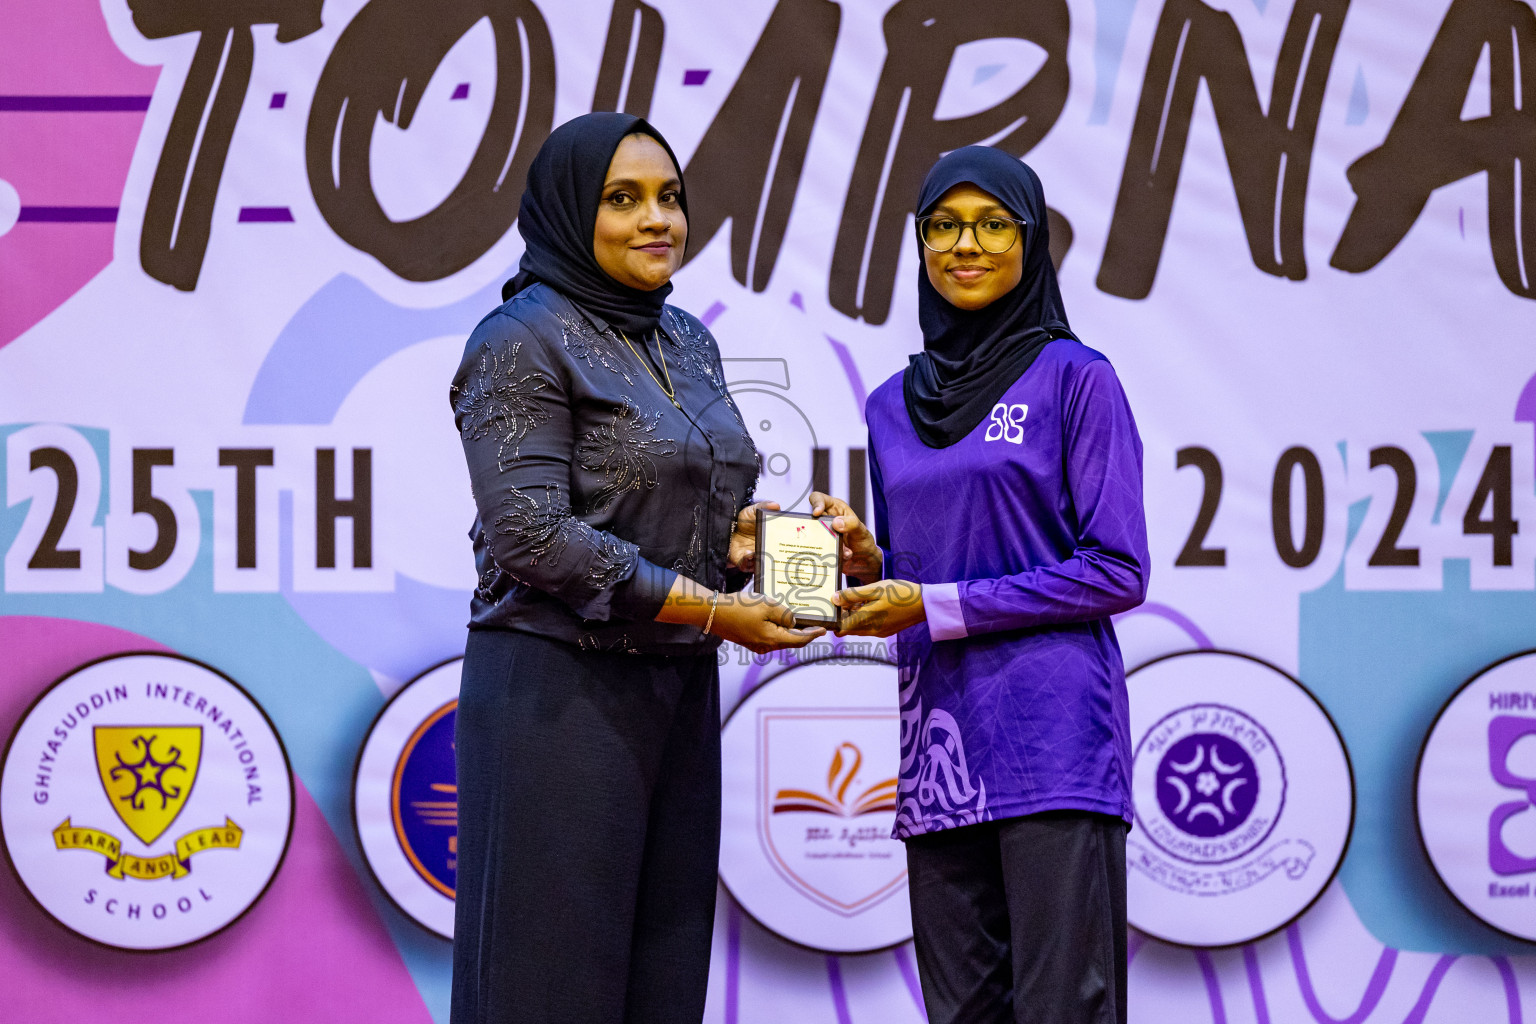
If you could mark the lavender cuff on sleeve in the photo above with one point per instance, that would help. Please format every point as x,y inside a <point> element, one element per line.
<point>946,618</point>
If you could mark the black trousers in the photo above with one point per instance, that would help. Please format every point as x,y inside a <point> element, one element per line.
<point>589,834</point>
<point>1022,921</point>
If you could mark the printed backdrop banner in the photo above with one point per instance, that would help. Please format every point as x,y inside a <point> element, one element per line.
<point>241,246</point>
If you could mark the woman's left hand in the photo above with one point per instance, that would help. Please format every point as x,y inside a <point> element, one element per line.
<point>742,554</point>
<point>880,609</point>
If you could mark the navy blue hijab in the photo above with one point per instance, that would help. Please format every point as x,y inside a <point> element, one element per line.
<point>559,212</point>
<point>971,357</point>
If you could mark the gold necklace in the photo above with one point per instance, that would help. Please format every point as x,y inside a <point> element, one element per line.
<point>667,389</point>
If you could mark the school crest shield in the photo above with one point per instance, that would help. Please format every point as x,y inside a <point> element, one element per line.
<point>827,802</point>
<point>148,772</point>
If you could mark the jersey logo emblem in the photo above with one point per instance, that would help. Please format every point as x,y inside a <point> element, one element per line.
<point>1007,423</point>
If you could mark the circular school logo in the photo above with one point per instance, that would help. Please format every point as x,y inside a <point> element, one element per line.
<point>809,764</point>
<point>1210,784</point>
<point>145,801</point>
<point>1219,783</point>
<point>1243,794</point>
<point>405,798</point>
<point>1476,795</point>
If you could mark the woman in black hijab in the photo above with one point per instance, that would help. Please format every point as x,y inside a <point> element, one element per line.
<point>1008,530</point>
<point>613,479</point>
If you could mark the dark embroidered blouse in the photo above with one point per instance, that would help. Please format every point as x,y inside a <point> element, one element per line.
<point>594,491</point>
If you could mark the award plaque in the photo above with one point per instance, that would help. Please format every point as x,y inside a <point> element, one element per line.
<point>799,564</point>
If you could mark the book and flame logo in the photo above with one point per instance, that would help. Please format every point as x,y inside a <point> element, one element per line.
<point>831,843</point>
<point>847,759</point>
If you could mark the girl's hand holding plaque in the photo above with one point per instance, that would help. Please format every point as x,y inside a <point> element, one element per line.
<point>863,560</point>
<point>882,608</point>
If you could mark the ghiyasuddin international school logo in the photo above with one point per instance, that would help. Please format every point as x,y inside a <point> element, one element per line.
<point>146,801</point>
<point>148,773</point>
<point>405,798</point>
<point>1243,796</point>
<point>810,767</point>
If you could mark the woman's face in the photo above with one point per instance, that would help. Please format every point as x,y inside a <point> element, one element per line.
<point>967,275</point>
<point>640,231</point>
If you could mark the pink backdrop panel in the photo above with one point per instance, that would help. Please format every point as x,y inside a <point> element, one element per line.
<point>57,60</point>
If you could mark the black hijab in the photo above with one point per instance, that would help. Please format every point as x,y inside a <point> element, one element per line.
<point>971,357</point>
<point>558,215</point>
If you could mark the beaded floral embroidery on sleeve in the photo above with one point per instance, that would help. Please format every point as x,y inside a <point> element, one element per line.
<point>495,401</point>
<point>624,451</point>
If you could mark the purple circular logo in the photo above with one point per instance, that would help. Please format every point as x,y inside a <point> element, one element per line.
<point>424,801</point>
<point>1207,785</point>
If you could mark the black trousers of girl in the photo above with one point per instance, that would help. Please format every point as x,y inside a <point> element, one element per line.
<point>1022,921</point>
<point>591,898</point>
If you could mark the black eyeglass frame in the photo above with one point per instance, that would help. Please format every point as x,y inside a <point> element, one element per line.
<point>1019,227</point>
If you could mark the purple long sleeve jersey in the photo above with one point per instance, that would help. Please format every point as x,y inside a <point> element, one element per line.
<point>1027,535</point>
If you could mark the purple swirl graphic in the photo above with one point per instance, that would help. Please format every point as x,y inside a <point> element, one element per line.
<point>1373,988</point>
<point>839,993</point>
<point>1173,615</point>
<point>732,961</point>
<point>908,969</point>
<point>1212,986</point>
<point>733,918</point>
<point>1370,1000</point>
<point>1511,988</point>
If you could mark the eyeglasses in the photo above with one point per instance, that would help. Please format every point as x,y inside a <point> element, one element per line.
<point>994,233</point>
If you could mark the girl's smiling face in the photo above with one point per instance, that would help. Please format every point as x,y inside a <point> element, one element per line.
<point>967,275</point>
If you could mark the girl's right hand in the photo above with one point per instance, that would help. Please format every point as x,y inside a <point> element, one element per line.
<point>862,557</point>
<point>759,624</point>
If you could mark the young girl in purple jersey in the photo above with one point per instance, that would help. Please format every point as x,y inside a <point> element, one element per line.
<point>1008,529</point>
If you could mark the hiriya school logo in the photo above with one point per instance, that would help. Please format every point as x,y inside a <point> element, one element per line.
<point>145,801</point>
<point>1476,795</point>
<point>1244,799</point>
<point>810,765</point>
<point>405,798</point>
